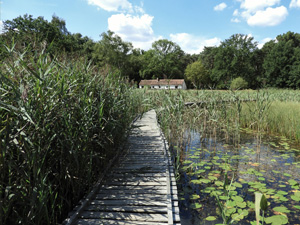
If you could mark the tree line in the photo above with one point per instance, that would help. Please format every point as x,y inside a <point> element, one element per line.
<point>237,60</point>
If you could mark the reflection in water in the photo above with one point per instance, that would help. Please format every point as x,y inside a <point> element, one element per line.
<point>268,166</point>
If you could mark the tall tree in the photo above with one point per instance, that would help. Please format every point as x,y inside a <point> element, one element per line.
<point>233,59</point>
<point>164,60</point>
<point>113,51</point>
<point>282,61</point>
<point>197,74</point>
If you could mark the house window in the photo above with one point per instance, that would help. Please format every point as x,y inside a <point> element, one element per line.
<point>176,87</point>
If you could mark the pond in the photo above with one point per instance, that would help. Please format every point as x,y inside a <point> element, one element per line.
<point>217,179</point>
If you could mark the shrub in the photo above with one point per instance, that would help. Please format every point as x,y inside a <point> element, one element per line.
<point>238,83</point>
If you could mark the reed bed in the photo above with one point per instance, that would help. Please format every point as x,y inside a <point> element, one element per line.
<point>226,112</point>
<point>61,121</point>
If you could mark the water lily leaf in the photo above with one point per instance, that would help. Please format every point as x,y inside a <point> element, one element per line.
<point>293,182</point>
<point>296,196</point>
<point>277,220</point>
<point>205,181</point>
<point>241,204</point>
<point>297,206</point>
<point>210,218</point>
<point>194,197</point>
<point>238,185</point>
<point>196,206</point>
<point>281,209</point>
<point>212,178</point>
<point>287,175</point>
<point>187,162</point>
<point>237,199</point>
<point>282,192</point>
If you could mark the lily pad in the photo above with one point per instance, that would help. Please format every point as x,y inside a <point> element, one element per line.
<point>196,206</point>
<point>277,220</point>
<point>281,209</point>
<point>210,218</point>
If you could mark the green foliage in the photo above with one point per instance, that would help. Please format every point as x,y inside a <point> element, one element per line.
<point>282,61</point>
<point>238,83</point>
<point>60,124</point>
<point>234,58</point>
<point>197,75</point>
<point>164,60</point>
<point>38,34</point>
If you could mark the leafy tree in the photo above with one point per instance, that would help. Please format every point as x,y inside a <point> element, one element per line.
<point>207,57</point>
<point>112,51</point>
<point>164,60</point>
<point>234,58</point>
<point>282,61</point>
<point>197,74</point>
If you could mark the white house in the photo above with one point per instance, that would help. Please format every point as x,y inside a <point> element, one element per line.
<point>163,84</point>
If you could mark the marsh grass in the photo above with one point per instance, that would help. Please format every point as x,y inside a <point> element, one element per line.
<point>61,121</point>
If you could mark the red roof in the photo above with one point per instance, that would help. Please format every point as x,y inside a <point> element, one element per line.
<point>162,82</point>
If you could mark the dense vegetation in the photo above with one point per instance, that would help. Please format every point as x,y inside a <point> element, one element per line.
<point>276,64</point>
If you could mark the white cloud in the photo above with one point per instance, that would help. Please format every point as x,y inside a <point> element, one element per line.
<point>264,41</point>
<point>255,5</point>
<point>135,29</point>
<point>295,4</point>
<point>236,12</point>
<point>235,20</point>
<point>193,44</point>
<point>220,7</point>
<point>268,17</point>
<point>112,5</point>
<point>261,12</point>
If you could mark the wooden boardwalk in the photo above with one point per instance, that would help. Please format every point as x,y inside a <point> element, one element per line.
<point>141,189</point>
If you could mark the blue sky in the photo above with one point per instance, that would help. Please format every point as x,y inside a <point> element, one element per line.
<point>192,24</point>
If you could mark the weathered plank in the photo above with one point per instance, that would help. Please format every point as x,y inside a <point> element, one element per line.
<point>115,222</point>
<point>153,217</point>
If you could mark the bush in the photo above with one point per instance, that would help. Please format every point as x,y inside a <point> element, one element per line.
<point>238,83</point>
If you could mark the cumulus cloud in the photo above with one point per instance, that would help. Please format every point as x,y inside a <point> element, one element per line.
<point>256,5</point>
<point>261,12</point>
<point>112,5</point>
<point>295,4</point>
<point>268,17</point>
<point>264,41</point>
<point>220,7</point>
<point>193,44</point>
<point>135,29</point>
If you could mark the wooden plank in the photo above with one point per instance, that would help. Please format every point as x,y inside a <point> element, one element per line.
<point>157,217</point>
<point>115,222</point>
<point>145,197</point>
<point>136,183</point>
<point>138,179</point>
<point>138,209</point>
<point>139,175</point>
<point>128,202</point>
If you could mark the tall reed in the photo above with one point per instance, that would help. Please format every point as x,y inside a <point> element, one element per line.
<point>60,123</point>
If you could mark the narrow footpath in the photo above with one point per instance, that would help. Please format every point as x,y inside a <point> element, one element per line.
<point>141,189</point>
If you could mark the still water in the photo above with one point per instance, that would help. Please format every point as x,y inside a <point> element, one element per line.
<point>268,166</point>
